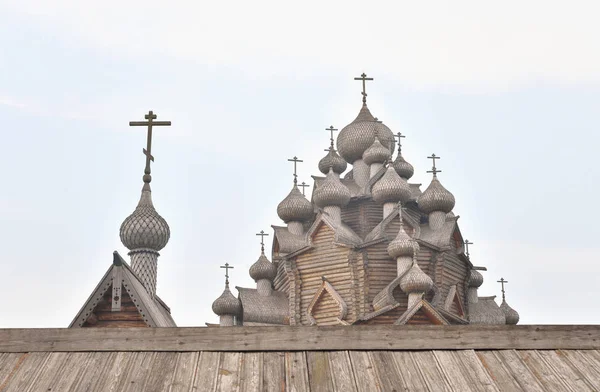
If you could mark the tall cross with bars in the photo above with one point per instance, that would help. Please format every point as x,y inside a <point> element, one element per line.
<point>502,281</point>
<point>332,130</point>
<point>364,78</point>
<point>399,136</point>
<point>295,160</point>
<point>227,268</point>
<point>467,243</point>
<point>262,235</point>
<point>304,185</point>
<point>433,170</point>
<point>150,117</point>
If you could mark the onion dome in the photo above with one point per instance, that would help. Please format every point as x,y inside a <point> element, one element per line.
<point>227,304</point>
<point>145,228</point>
<point>333,160</point>
<point>331,192</point>
<point>403,244</point>
<point>512,317</point>
<point>357,136</point>
<point>377,153</point>
<point>295,207</point>
<point>263,269</point>
<point>391,188</point>
<point>436,198</point>
<point>475,279</point>
<point>403,168</point>
<point>416,281</point>
<point>386,136</point>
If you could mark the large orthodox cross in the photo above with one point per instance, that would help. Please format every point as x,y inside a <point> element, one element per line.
<point>227,268</point>
<point>467,243</point>
<point>399,136</point>
<point>262,235</point>
<point>364,78</point>
<point>433,170</point>
<point>502,281</point>
<point>304,185</point>
<point>331,129</point>
<point>295,160</point>
<point>150,117</point>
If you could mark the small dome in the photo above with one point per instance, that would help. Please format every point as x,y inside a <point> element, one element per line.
<point>403,245</point>
<point>263,269</point>
<point>227,304</point>
<point>145,228</point>
<point>403,168</point>
<point>385,136</point>
<point>331,192</point>
<point>475,278</point>
<point>391,188</point>
<point>512,317</point>
<point>333,160</point>
<point>416,281</point>
<point>295,207</point>
<point>377,153</point>
<point>436,198</point>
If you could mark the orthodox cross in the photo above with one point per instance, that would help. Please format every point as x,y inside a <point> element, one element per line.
<point>502,281</point>
<point>295,160</point>
<point>467,243</point>
<point>364,78</point>
<point>399,136</point>
<point>262,235</point>
<point>148,150</point>
<point>433,170</point>
<point>303,185</point>
<point>227,268</point>
<point>332,130</point>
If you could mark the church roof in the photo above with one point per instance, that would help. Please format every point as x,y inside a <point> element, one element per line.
<point>154,311</point>
<point>264,309</point>
<point>438,358</point>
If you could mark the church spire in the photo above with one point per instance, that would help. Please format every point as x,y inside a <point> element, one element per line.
<point>145,232</point>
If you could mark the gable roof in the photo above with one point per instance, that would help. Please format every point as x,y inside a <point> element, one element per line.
<point>429,310</point>
<point>153,310</point>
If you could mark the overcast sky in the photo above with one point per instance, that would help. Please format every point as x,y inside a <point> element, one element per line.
<point>507,93</point>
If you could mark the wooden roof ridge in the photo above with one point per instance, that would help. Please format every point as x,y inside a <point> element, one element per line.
<point>304,338</point>
<point>430,311</point>
<point>154,311</point>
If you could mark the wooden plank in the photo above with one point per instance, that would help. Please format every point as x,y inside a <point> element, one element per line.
<point>251,373</point>
<point>27,372</point>
<point>527,381</point>
<point>115,373</point>
<point>453,370</point>
<point>296,372</point>
<point>185,371</point>
<point>91,373</point>
<point>140,370</point>
<point>389,375</point>
<point>501,376</point>
<point>411,372</point>
<point>228,378</point>
<point>319,371</point>
<point>577,359</point>
<point>342,375</point>
<point>471,366</point>
<point>364,374</point>
<point>570,375</point>
<point>273,372</point>
<point>360,337</point>
<point>430,370</point>
<point>46,376</point>
<point>544,373</point>
<point>9,363</point>
<point>207,370</point>
<point>161,372</point>
<point>68,372</point>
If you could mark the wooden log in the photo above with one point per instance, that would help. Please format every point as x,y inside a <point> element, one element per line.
<point>549,337</point>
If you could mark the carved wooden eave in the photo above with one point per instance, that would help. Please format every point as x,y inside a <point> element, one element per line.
<point>326,287</point>
<point>379,231</point>
<point>434,316</point>
<point>453,297</point>
<point>121,279</point>
<point>386,296</point>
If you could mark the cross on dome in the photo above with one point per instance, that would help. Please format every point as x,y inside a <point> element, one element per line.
<point>399,136</point>
<point>262,235</point>
<point>502,281</point>
<point>303,185</point>
<point>332,130</point>
<point>227,268</point>
<point>364,78</point>
<point>433,170</point>
<point>295,160</point>
<point>467,243</point>
<point>150,117</point>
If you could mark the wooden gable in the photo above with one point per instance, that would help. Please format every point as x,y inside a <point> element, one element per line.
<point>454,303</point>
<point>103,315</point>
<point>327,307</point>
<point>422,313</point>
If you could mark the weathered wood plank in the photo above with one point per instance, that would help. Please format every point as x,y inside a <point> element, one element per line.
<point>27,372</point>
<point>207,371</point>
<point>296,372</point>
<point>273,372</point>
<point>544,373</point>
<point>578,360</point>
<point>9,364</point>
<point>139,372</point>
<point>501,376</point>
<point>229,372</point>
<point>115,374</point>
<point>381,337</point>
<point>570,375</point>
<point>185,371</point>
<point>456,376</point>
<point>388,373</point>
<point>319,371</point>
<point>429,368</point>
<point>342,375</point>
<point>70,371</point>
<point>472,366</point>
<point>92,372</point>
<point>161,372</point>
<point>251,374</point>
<point>513,362</point>
<point>364,374</point>
<point>44,378</point>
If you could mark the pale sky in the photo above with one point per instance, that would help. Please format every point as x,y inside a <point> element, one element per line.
<point>507,93</point>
